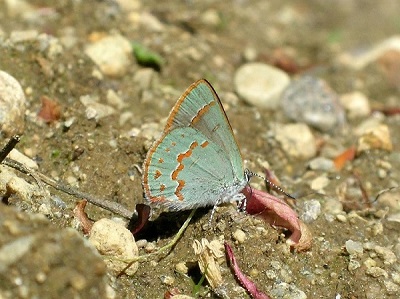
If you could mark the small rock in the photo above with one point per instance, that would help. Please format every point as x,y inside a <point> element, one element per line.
<point>311,210</point>
<point>21,158</point>
<point>386,254</point>
<point>341,218</point>
<point>391,287</point>
<point>391,200</point>
<point>359,60</point>
<point>284,290</point>
<point>113,239</point>
<point>369,262</point>
<point>333,206</point>
<point>355,249</point>
<point>239,236</point>
<point>377,137</point>
<point>12,105</point>
<point>211,18</point>
<point>181,268</point>
<point>112,54</point>
<point>260,85</point>
<point>144,78</point>
<point>94,109</point>
<point>319,183</point>
<point>167,280</point>
<point>356,104</point>
<point>321,163</point>
<point>114,99</point>
<point>296,140</point>
<point>150,22</point>
<point>23,36</point>
<point>376,272</point>
<point>312,101</point>
<point>353,265</point>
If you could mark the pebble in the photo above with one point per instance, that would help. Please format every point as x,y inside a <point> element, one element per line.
<point>353,265</point>
<point>260,85</point>
<point>341,218</point>
<point>319,183</point>
<point>386,254</point>
<point>239,236</point>
<point>376,272</point>
<point>94,109</point>
<point>284,290</point>
<point>21,158</point>
<point>355,249</point>
<point>356,104</point>
<point>312,101</point>
<point>167,280</point>
<point>391,287</point>
<point>181,268</point>
<point>296,140</point>
<point>377,137</point>
<point>333,206</point>
<point>321,163</point>
<point>113,239</point>
<point>311,210</point>
<point>112,54</point>
<point>12,105</point>
<point>357,60</point>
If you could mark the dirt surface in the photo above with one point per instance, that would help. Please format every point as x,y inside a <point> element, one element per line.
<point>201,39</point>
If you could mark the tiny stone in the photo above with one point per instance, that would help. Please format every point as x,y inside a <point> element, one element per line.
<point>396,277</point>
<point>391,287</point>
<point>239,236</point>
<point>376,272</point>
<point>386,254</point>
<point>321,163</point>
<point>41,277</point>
<point>167,280</point>
<point>341,218</point>
<point>311,210</point>
<point>254,272</point>
<point>369,263</point>
<point>150,247</point>
<point>141,243</point>
<point>355,249</point>
<point>353,265</point>
<point>319,183</point>
<point>181,268</point>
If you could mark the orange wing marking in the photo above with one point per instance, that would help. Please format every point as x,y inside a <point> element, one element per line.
<point>175,173</point>
<point>201,112</point>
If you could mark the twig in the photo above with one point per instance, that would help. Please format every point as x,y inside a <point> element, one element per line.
<point>39,177</point>
<point>9,147</point>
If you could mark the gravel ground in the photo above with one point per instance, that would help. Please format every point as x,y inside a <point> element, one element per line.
<point>311,89</point>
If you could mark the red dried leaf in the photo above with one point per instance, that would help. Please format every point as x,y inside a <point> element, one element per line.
<point>143,212</point>
<point>249,285</point>
<point>278,213</point>
<point>347,155</point>
<point>50,110</point>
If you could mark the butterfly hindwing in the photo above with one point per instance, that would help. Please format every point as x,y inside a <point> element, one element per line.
<point>196,161</point>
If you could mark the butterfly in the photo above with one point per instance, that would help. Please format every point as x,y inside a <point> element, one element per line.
<point>196,162</point>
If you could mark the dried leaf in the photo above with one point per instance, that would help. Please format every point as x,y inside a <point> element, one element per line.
<point>249,285</point>
<point>347,155</point>
<point>278,213</point>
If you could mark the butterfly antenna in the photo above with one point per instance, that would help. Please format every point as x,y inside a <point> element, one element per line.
<point>250,174</point>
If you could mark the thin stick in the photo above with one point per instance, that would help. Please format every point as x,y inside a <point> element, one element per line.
<point>39,177</point>
<point>9,147</point>
<point>162,249</point>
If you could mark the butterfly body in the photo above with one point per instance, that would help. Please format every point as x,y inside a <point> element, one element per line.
<point>196,162</point>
